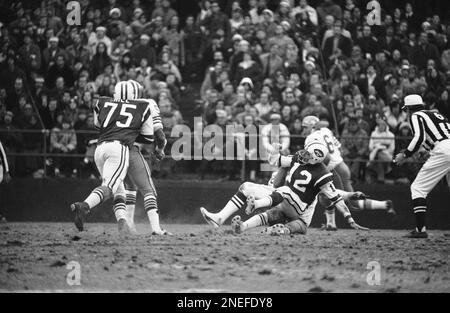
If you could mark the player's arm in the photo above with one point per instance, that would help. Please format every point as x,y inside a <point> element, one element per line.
<point>160,136</point>
<point>336,200</point>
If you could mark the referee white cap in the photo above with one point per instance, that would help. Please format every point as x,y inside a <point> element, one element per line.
<point>412,100</point>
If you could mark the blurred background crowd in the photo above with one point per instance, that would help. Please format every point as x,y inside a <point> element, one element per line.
<point>248,62</point>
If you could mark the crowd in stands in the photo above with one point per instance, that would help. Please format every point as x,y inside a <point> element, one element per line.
<point>253,62</point>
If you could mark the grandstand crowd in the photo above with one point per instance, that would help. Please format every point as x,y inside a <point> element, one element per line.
<point>262,62</point>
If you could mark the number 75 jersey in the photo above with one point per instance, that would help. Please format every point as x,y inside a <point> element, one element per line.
<point>122,120</point>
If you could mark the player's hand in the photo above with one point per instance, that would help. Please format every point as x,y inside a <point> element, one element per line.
<point>7,177</point>
<point>399,159</point>
<point>355,226</point>
<point>159,154</point>
<point>357,195</point>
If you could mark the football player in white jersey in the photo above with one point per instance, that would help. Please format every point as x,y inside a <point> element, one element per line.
<point>335,163</point>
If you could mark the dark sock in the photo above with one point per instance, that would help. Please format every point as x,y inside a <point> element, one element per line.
<point>420,210</point>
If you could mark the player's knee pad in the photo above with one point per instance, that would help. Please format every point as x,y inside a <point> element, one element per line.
<point>245,188</point>
<point>297,227</point>
<point>275,216</point>
<point>417,192</point>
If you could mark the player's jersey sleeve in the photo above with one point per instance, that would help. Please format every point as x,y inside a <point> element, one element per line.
<point>155,114</point>
<point>96,114</point>
<point>322,177</point>
<point>147,122</point>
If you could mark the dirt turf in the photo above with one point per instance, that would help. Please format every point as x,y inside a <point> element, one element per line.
<point>34,257</point>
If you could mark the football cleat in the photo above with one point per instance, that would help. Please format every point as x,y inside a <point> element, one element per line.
<point>278,230</point>
<point>81,210</point>
<point>417,234</point>
<point>236,224</point>
<point>123,227</point>
<point>209,218</point>
<point>390,208</point>
<point>250,206</point>
<point>162,232</point>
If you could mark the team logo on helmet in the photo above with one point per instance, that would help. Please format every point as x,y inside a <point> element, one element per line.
<point>318,153</point>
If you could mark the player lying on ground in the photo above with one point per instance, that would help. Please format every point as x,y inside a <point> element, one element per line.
<point>139,175</point>
<point>335,164</point>
<point>120,121</point>
<point>294,203</point>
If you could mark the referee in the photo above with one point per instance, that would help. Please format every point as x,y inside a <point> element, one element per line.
<point>432,131</point>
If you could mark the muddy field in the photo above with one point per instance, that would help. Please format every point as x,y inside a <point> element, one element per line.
<point>35,257</point>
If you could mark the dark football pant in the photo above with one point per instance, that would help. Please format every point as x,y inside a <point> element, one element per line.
<point>139,178</point>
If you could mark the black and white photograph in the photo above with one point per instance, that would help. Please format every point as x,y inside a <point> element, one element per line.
<point>200,148</point>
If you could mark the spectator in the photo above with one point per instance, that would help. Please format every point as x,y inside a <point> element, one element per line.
<point>275,132</point>
<point>355,147</point>
<point>100,60</point>
<point>381,147</point>
<point>63,140</point>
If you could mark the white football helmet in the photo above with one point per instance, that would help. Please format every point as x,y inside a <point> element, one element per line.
<point>309,122</point>
<point>127,90</point>
<point>317,151</point>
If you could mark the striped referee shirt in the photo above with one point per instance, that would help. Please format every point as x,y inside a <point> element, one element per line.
<point>429,127</point>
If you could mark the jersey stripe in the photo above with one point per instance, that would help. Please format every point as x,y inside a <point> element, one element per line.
<point>322,178</point>
<point>429,127</point>
<point>119,168</point>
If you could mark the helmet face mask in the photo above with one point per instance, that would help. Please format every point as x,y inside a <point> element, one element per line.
<point>303,157</point>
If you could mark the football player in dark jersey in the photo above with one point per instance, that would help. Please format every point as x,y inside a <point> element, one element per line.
<point>292,205</point>
<point>248,191</point>
<point>119,120</point>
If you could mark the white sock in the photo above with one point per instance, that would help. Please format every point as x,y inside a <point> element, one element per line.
<point>369,204</point>
<point>120,213</point>
<point>153,217</point>
<point>95,197</point>
<point>329,214</point>
<point>233,205</point>
<point>131,204</point>
<point>255,221</point>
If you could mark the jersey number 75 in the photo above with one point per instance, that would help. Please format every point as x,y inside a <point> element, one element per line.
<point>124,111</point>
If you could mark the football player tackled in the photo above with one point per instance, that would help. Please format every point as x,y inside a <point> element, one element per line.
<point>289,208</point>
